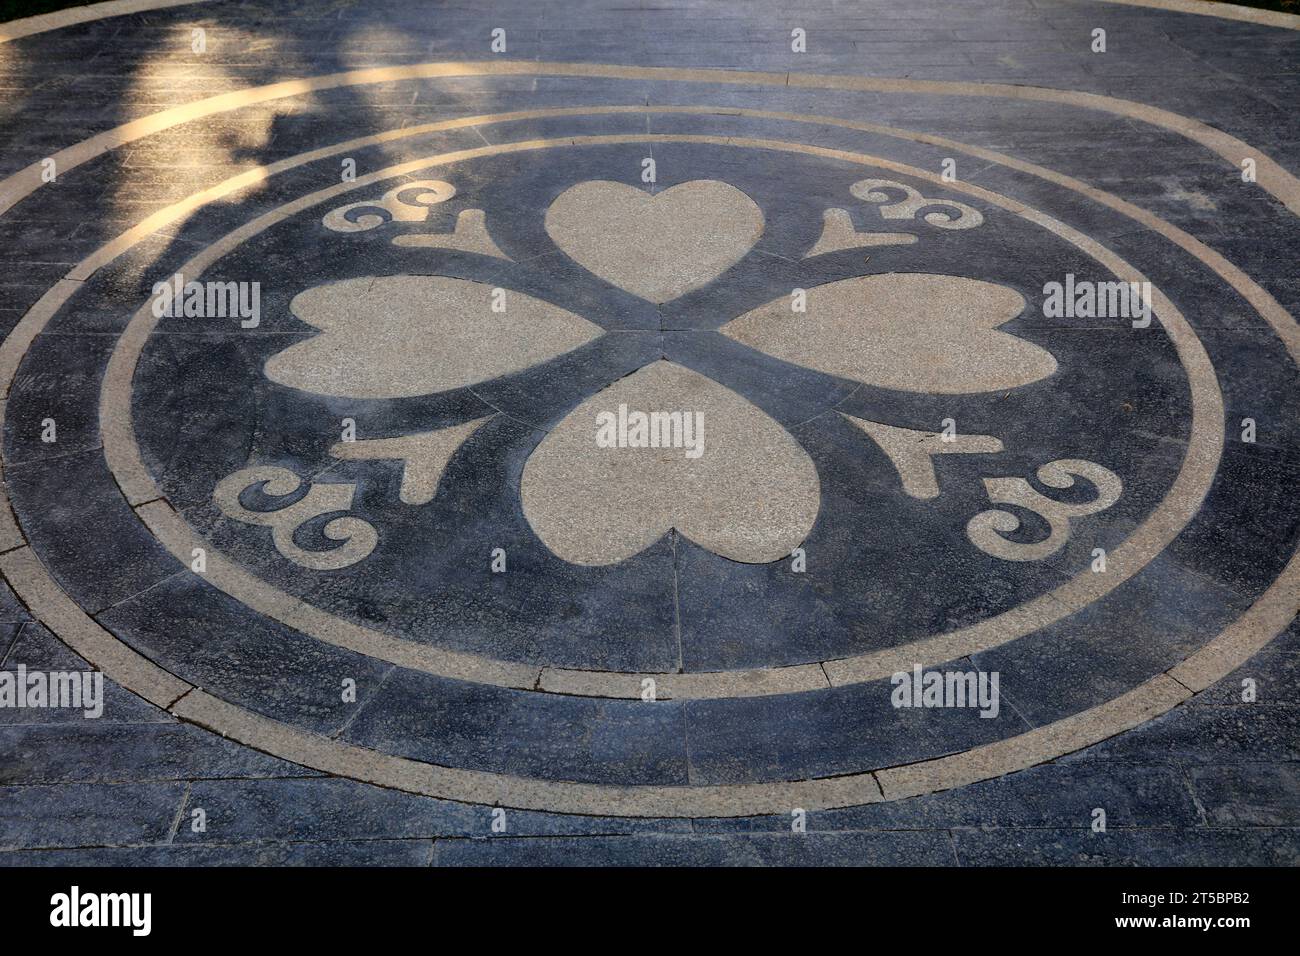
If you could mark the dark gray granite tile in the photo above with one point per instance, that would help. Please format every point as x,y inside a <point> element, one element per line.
<point>1209,736</point>
<point>1248,795</point>
<point>596,740</point>
<point>208,638</point>
<point>333,853</point>
<point>39,650</point>
<point>1180,848</point>
<point>1051,795</point>
<point>91,541</point>
<point>332,809</point>
<point>88,814</point>
<point>94,751</point>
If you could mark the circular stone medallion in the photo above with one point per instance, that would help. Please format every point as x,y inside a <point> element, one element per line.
<point>766,434</point>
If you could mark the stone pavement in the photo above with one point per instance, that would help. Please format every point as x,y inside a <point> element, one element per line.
<point>711,433</point>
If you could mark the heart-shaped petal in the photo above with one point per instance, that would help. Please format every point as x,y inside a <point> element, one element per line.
<point>908,331</point>
<point>402,336</point>
<point>752,493</point>
<point>657,246</point>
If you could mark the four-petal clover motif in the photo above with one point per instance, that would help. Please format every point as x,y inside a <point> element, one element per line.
<point>754,495</point>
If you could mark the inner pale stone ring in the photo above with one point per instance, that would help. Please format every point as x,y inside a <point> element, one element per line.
<point>1181,502</point>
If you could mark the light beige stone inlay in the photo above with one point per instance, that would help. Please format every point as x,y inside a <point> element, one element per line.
<point>424,456</point>
<point>839,233</point>
<point>406,202</point>
<point>402,336</point>
<point>658,246</point>
<point>910,331</point>
<point>912,452</point>
<point>944,214</point>
<point>987,528</point>
<point>469,235</point>
<point>357,537</point>
<point>752,495</point>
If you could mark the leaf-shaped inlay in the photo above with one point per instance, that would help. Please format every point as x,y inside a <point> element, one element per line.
<point>751,493</point>
<point>908,331</point>
<point>657,246</point>
<point>402,336</point>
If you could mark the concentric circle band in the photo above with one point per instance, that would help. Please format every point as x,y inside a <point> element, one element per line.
<point>1264,620</point>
